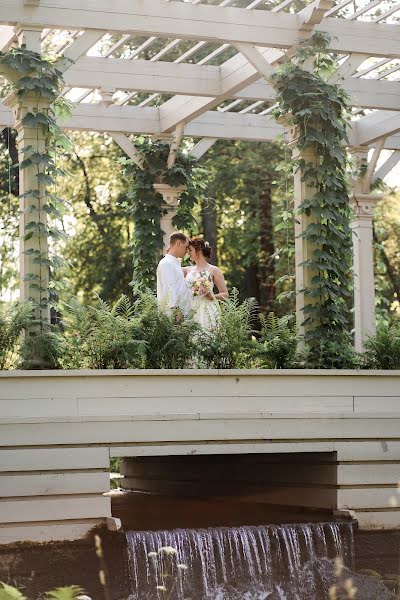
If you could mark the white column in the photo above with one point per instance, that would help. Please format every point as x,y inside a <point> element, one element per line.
<point>303,248</point>
<point>37,245</point>
<point>170,204</point>
<point>363,264</point>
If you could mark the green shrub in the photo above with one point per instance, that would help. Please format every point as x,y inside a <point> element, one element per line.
<point>382,350</point>
<point>277,345</point>
<point>229,346</point>
<point>102,336</point>
<point>331,354</point>
<point>14,318</point>
<point>170,342</point>
<point>43,349</point>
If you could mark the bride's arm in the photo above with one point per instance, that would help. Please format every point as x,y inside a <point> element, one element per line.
<point>185,271</point>
<point>219,281</point>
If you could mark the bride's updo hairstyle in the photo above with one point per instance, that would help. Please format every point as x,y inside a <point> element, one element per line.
<point>200,245</point>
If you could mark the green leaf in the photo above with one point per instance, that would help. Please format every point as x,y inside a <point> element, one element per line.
<point>7,592</point>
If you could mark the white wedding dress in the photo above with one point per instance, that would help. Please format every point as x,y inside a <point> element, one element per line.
<point>206,312</point>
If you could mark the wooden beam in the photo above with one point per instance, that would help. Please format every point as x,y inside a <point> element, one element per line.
<point>202,22</point>
<point>159,18</point>
<point>82,44</point>
<point>380,144</point>
<point>378,124</point>
<point>176,140</point>
<point>256,59</point>
<point>129,148</point>
<point>7,35</point>
<point>203,80</point>
<point>348,67</point>
<point>202,147</point>
<point>145,76</point>
<point>387,166</point>
<point>374,39</point>
<point>212,124</point>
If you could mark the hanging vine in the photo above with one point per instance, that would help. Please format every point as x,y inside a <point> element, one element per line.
<point>145,205</point>
<point>38,79</point>
<point>318,110</point>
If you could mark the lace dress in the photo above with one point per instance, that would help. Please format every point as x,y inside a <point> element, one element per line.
<point>206,312</point>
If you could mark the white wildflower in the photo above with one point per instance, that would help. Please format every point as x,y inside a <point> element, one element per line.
<point>182,566</point>
<point>161,588</point>
<point>152,554</point>
<point>169,550</point>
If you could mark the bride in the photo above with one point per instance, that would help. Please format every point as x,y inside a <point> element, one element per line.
<point>201,278</point>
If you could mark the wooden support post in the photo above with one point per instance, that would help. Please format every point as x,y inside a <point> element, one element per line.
<point>34,275</point>
<point>171,200</point>
<point>363,204</point>
<point>303,248</point>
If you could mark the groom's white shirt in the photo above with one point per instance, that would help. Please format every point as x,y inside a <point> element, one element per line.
<point>172,289</point>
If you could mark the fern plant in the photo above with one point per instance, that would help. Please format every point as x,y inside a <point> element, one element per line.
<point>278,342</point>
<point>102,336</point>
<point>229,346</point>
<point>71,592</point>
<point>170,343</point>
<point>14,318</point>
<point>382,350</point>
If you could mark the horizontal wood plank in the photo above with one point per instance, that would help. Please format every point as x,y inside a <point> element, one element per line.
<point>117,432</point>
<point>54,509</point>
<point>389,519</point>
<point>47,484</point>
<point>41,459</point>
<point>214,404</point>
<point>368,474</point>
<point>47,531</point>
<point>356,498</point>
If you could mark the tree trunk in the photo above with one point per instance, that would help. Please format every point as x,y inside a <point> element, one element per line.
<point>252,282</point>
<point>266,270</point>
<point>209,216</point>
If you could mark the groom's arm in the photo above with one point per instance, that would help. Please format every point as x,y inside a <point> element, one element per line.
<point>168,282</point>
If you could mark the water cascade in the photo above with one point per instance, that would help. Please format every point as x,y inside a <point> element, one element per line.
<point>274,562</point>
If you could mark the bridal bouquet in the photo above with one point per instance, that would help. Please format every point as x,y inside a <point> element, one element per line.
<point>202,285</point>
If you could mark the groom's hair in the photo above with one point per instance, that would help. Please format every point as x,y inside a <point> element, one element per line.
<point>177,237</point>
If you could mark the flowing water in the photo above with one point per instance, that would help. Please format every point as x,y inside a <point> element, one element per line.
<point>239,563</point>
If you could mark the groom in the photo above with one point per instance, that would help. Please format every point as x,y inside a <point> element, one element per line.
<point>173,295</point>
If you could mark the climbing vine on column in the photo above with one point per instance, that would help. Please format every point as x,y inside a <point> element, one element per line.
<point>36,83</point>
<point>318,110</point>
<point>145,205</point>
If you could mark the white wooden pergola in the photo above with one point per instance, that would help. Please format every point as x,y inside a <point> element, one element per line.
<point>129,77</point>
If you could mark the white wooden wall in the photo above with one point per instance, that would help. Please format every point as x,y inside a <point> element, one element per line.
<point>58,430</point>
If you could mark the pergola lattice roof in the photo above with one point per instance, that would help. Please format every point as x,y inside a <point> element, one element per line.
<point>158,67</point>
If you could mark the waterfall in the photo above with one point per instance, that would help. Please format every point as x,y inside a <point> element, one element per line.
<point>239,563</point>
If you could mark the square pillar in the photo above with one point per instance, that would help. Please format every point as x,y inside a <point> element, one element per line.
<point>363,265</point>
<point>303,248</point>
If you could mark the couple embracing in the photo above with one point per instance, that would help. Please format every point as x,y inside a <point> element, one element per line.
<point>190,290</point>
